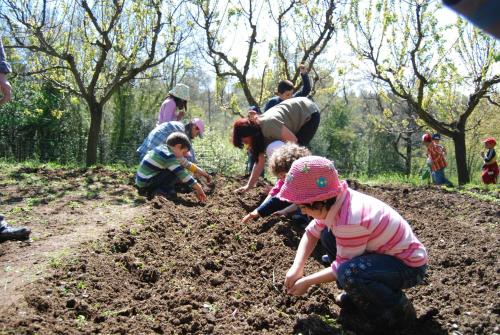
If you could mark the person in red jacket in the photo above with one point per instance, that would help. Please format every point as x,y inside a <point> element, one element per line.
<point>435,155</point>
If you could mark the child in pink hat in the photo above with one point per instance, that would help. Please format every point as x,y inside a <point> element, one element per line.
<point>280,161</point>
<point>375,251</point>
<point>489,174</point>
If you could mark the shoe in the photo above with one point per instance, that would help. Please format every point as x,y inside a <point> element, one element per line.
<point>8,233</point>
<point>343,300</point>
<point>326,259</point>
<point>301,220</point>
<point>398,317</point>
<point>166,192</point>
<point>182,188</point>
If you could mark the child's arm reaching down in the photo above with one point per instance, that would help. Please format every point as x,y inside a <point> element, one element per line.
<point>197,171</point>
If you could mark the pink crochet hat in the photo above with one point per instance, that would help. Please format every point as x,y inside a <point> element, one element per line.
<point>311,179</point>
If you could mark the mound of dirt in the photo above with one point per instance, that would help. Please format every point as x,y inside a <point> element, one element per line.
<point>192,268</point>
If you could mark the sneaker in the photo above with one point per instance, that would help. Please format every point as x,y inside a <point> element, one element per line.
<point>326,259</point>
<point>182,188</point>
<point>398,317</point>
<point>13,234</point>
<point>301,220</point>
<point>167,192</point>
<point>343,300</point>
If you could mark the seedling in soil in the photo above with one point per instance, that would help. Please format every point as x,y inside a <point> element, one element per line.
<point>64,290</point>
<point>73,205</point>
<point>149,318</point>
<point>81,321</point>
<point>133,232</point>
<point>237,237</point>
<point>56,260</point>
<point>92,195</point>
<point>140,220</point>
<point>211,308</point>
<point>329,321</point>
<point>109,313</point>
<point>17,210</point>
<point>81,285</point>
<point>33,202</point>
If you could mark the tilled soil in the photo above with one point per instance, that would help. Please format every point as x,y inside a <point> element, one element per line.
<point>195,269</point>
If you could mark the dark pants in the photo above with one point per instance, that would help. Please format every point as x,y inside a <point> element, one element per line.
<point>329,243</point>
<point>308,130</point>
<point>166,180</point>
<point>250,163</point>
<point>375,282</point>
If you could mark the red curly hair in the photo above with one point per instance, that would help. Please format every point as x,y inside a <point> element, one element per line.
<point>246,128</point>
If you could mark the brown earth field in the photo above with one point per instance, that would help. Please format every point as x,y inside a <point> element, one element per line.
<point>180,267</point>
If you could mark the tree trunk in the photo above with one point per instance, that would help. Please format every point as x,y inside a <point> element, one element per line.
<point>408,156</point>
<point>246,90</point>
<point>94,131</point>
<point>461,157</point>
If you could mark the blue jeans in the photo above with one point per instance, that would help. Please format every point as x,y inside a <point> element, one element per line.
<point>439,178</point>
<point>375,282</point>
<point>329,243</point>
<point>166,180</point>
<point>271,205</point>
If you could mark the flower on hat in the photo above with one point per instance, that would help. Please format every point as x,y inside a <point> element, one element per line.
<point>321,182</point>
<point>311,179</point>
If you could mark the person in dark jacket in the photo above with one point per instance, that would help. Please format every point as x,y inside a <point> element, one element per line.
<point>285,89</point>
<point>6,231</point>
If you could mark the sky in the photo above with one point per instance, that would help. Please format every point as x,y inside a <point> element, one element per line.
<point>237,45</point>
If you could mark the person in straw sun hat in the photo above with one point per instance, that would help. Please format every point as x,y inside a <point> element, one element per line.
<point>176,99</point>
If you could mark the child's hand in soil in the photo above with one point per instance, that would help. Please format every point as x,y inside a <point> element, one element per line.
<point>242,189</point>
<point>293,274</point>
<point>279,213</point>
<point>252,215</point>
<point>200,194</point>
<point>300,287</point>
<point>205,175</point>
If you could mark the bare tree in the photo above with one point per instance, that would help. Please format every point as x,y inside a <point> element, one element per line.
<point>246,20</point>
<point>304,31</point>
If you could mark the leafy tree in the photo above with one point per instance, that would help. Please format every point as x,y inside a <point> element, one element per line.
<point>404,44</point>
<point>90,49</point>
<point>390,114</point>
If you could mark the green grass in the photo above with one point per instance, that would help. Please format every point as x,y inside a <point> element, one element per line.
<point>389,178</point>
<point>215,153</point>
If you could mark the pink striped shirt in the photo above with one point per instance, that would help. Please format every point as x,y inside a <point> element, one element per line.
<point>167,111</point>
<point>362,224</point>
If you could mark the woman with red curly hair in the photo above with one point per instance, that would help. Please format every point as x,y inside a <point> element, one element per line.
<point>294,120</point>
